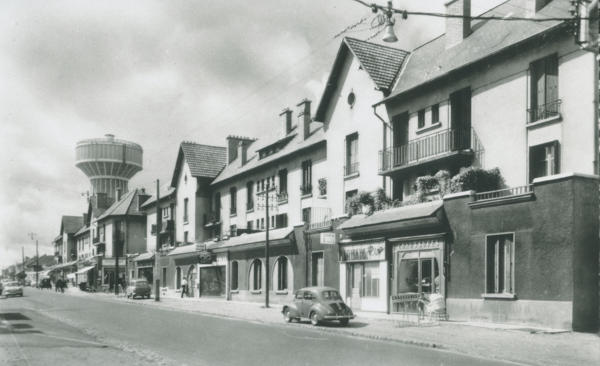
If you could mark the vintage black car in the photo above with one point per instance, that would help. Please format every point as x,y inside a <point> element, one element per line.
<point>317,304</point>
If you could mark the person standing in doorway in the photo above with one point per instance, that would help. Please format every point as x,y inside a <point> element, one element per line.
<point>184,287</point>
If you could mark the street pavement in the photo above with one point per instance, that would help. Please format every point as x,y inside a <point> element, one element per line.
<point>48,328</point>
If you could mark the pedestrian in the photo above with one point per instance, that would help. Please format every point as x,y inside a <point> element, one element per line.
<point>184,288</point>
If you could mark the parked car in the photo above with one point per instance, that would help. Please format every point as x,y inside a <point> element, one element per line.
<point>138,288</point>
<point>318,304</point>
<point>12,288</point>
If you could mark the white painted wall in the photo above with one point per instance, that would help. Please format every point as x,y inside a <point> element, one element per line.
<point>185,190</point>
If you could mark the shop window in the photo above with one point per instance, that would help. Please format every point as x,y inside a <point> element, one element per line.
<point>544,160</point>
<point>255,275</point>
<point>417,272</point>
<point>280,273</point>
<point>364,278</point>
<point>499,272</point>
<point>234,275</point>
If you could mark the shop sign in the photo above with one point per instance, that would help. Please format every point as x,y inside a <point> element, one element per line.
<point>222,259</point>
<point>363,252</point>
<point>327,238</point>
<point>205,257</point>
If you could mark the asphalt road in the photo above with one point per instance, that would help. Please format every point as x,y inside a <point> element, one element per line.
<point>47,328</point>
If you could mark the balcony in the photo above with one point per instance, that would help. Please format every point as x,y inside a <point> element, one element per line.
<point>351,170</point>
<point>212,218</point>
<point>318,218</point>
<point>432,148</point>
<point>543,112</point>
<point>282,197</point>
<point>306,190</point>
<point>503,196</point>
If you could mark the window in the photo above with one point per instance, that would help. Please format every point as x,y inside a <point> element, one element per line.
<point>306,187</point>
<point>249,225</point>
<point>185,210</point>
<point>280,274</point>
<point>165,212</point>
<point>421,116</point>
<point>217,213</point>
<point>233,230</point>
<point>234,275</point>
<point>185,237</point>
<point>349,196</point>
<point>281,221</point>
<point>351,154</point>
<point>164,277</point>
<point>435,113</point>
<point>306,215</point>
<point>272,221</point>
<point>255,275</point>
<point>262,223</point>
<point>544,160</point>
<point>499,271</point>
<point>257,224</point>
<point>282,180</point>
<point>544,89</point>
<point>178,278</point>
<point>365,278</point>
<point>233,200</point>
<point>249,196</point>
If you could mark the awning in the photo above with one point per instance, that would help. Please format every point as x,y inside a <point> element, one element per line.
<point>420,216</point>
<point>85,270</point>
<point>64,265</point>
<point>255,240</point>
<point>144,257</point>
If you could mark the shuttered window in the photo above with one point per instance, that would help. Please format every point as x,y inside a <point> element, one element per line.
<point>500,264</point>
<point>544,88</point>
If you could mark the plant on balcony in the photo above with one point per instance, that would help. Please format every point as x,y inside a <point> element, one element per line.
<point>363,203</point>
<point>477,179</point>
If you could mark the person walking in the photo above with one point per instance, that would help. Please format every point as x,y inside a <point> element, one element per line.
<point>184,288</point>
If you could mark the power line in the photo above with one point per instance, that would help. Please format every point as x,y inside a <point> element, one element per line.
<point>405,13</point>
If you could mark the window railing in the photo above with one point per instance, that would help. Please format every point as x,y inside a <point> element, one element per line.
<point>544,111</point>
<point>351,169</point>
<point>306,189</point>
<point>428,147</point>
<point>500,193</point>
<point>319,218</point>
<point>282,197</point>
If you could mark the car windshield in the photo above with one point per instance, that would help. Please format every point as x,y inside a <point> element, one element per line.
<point>331,295</point>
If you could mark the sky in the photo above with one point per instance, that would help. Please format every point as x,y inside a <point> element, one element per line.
<point>156,73</point>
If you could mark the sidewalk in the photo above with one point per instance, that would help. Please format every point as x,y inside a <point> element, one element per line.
<point>523,345</point>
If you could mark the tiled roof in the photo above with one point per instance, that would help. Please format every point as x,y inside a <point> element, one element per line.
<point>165,192</point>
<point>382,63</point>
<point>205,161</point>
<point>395,214</point>
<point>432,60</point>
<point>125,206</point>
<point>296,144</point>
<point>71,224</point>
<point>83,230</point>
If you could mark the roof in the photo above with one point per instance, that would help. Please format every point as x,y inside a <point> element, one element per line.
<point>382,64</point>
<point>125,206</point>
<point>432,60</point>
<point>165,192</point>
<point>70,224</point>
<point>84,229</point>
<point>297,143</point>
<point>395,214</point>
<point>205,161</point>
<point>260,237</point>
<point>184,249</point>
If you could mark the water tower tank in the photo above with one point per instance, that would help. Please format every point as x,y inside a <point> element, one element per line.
<point>109,163</point>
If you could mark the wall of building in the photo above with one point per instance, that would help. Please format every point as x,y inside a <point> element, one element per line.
<point>202,210</point>
<point>186,188</point>
<point>136,234</point>
<point>500,99</point>
<point>295,203</point>
<point>150,214</point>
<point>342,119</point>
<point>555,258</point>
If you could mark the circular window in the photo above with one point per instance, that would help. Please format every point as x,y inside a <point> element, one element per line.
<point>351,99</point>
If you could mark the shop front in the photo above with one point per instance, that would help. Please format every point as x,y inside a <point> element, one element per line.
<point>364,270</point>
<point>144,267</point>
<point>86,277</point>
<point>213,277</point>
<point>108,273</point>
<point>417,272</point>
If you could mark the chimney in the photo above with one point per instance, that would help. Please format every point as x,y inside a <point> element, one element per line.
<point>242,152</point>
<point>232,148</point>
<point>458,28</point>
<point>287,122</point>
<point>533,6</point>
<point>118,195</point>
<point>304,117</point>
<point>85,219</point>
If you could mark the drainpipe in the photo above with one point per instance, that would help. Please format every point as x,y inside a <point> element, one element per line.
<point>386,125</point>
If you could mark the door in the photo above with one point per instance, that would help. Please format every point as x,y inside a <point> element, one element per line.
<point>460,119</point>
<point>400,139</point>
<point>318,267</point>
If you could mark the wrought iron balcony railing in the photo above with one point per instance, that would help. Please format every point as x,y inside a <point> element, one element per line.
<point>428,147</point>
<point>500,193</point>
<point>351,169</point>
<point>544,111</point>
<point>306,189</point>
<point>319,218</point>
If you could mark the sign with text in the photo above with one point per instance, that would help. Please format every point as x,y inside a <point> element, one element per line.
<point>327,238</point>
<point>374,251</point>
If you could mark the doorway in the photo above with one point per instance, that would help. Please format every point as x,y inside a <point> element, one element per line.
<point>318,269</point>
<point>400,139</point>
<point>460,119</point>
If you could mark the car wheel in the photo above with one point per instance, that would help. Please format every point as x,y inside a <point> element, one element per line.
<point>344,322</point>
<point>314,318</point>
<point>286,316</point>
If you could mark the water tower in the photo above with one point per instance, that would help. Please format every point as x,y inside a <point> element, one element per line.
<point>109,163</point>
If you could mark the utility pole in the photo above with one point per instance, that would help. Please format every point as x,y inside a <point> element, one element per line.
<point>156,269</point>
<point>266,192</point>
<point>37,259</point>
<point>23,259</point>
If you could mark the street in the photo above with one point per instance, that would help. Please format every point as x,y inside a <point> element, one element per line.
<point>47,328</point>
